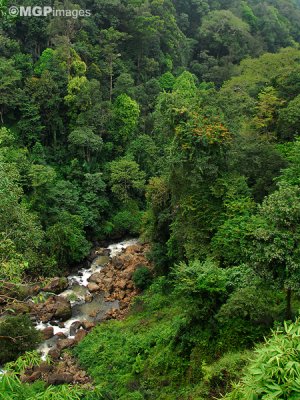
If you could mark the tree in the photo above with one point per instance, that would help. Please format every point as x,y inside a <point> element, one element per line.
<point>274,241</point>
<point>125,116</point>
<point>86,141</point>
<point>126,179</point>
<point>9,79</point>
<point>66,239</point>
<point>110,40</point>
<point>289,119</point>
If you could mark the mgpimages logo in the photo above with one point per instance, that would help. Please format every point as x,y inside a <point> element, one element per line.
<point>40,11</point>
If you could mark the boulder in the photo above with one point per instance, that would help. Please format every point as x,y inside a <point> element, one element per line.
<point>54,353</point>
<point>81,334</point>
<point>74,327</point>
<point>31,378</point>
<point>63,309</point>
<point>60,378</point>
<point>65,344</point>
<point>121,283</point>
<point>88,325</point>
<point>48,332</point>
<point>96,277</point>
<point>55,307</point>
<point>60,335</point>
<point>56,285</point>
<point>92,287</point>
<point>103,252</point>
<point>117,263</point>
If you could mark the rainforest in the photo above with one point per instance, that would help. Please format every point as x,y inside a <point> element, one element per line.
<point>150,200</point>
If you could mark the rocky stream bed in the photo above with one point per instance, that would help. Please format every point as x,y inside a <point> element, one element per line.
<point>66,309</point>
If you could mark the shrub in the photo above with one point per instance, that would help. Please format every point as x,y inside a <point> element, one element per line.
<point>142,278</point>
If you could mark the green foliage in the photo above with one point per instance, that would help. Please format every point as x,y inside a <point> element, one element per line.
<point>17,336</point>
<point>142,277</point>
<point>171,119</point>
<point>126,179</point>
<point>274,372</point>
<point>127,221</point>
<point>66,240</point>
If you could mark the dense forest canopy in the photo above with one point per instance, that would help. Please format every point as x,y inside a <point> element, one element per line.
<point>177,121</point>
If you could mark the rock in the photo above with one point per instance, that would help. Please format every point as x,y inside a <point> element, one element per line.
<point>61,325</point>
<point>61,335</point>
<point>56,285</point>
<point>48,332</point>
<point>44,368</point>
<point>28,290</point>
<point>121,283</point>
<point>107,282</point>
<point>92,287</point>
<point>117,263</point>
<point>65,344</point>
<point>55,307</point>
<point>88,298</point>
<point>81,334</point>
<point>96,277</point>
<point>63,309</point>
<point>133,249</point>
<point>93,314</point>
<point>130,285</point>
<point>54,353</point>
<point>110,274</point>
<point>60,378</point>
<point>102,252</point>
<point>31,378</point>
<point>88,325</point>
<point>74,327</point>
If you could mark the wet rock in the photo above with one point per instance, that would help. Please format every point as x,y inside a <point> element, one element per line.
<point>74,327</point>
<point>96,277</point>
<point>56,307</point>
<point>60,378</point>
<point>60,335</point>
<point>93,314</point>
<point>88,298</point>
<point>81,334</point>
<point>92,287</point>
<point>88,325</point>
<point>103,252</point>
<point>65,344</point>
<point>48,332</point>
<point>56,285</point>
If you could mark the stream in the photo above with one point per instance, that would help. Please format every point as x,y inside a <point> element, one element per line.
<point>85,306</point>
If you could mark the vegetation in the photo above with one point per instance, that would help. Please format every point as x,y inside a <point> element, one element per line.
<point>176,121</point>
